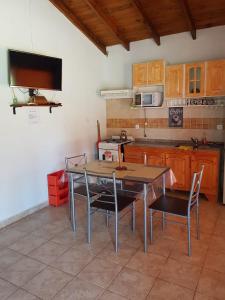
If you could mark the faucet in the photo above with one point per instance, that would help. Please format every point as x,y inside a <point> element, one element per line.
<point>195,142</point>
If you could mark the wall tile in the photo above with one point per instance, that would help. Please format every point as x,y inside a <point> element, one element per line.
<point>198,121</point>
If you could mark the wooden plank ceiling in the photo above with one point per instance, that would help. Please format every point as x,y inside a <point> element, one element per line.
<point>111,22</point>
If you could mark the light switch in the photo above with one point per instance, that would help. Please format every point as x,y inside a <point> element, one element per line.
<point>219,127</point>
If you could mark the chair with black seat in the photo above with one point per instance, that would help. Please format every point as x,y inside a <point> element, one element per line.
<point>131,186</point>
<point>180,207</point>
<point>74,161</point>
<point>79,185</point>
<point>79,179</point>
<point>109,201</point>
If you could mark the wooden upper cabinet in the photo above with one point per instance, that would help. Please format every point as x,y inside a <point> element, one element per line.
<point>174,81</point>
<point>149,73</point>
<point>215,78</point>
<point>195,79</point>
<point>140,74</point>
<point>156,72</point>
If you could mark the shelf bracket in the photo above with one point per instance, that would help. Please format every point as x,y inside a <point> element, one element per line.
<point>26,105</point>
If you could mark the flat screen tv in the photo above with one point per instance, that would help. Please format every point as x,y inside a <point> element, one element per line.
<point>33,71</point>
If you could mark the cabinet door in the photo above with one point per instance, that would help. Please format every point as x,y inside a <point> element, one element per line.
<point>209,184</point>
<point>156,72</point>
<point>174,81</point>
<point>180,165</point>
<point>140,74</point>
<point>195,80</point>
<point>135,158</point>
<point>134,154</point>
<point>215,78</point>
<point>154,159</point>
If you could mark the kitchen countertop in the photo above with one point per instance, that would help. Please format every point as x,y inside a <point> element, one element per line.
<point>174,144</point>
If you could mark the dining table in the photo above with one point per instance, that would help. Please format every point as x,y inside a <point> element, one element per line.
<point>146,175</point>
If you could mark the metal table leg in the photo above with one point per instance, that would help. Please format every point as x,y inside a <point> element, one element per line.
<point>145,218</point>
<point>164,184</point>
<point>72,203</point>
<point>164,193</point>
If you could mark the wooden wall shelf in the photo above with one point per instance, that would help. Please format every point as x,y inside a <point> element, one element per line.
<point>50,105</point>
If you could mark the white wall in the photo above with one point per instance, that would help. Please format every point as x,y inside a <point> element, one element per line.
<point>28,152</point>
<point>176,48</point>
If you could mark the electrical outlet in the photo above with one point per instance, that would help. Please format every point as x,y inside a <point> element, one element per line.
<point>219,127</point>
<point>137,126</point>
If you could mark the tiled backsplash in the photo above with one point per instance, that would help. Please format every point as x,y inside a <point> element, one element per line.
<point>201,121</point>
<point>189,123</point>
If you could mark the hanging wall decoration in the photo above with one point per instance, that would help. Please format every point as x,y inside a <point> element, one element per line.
<point>176,117</point>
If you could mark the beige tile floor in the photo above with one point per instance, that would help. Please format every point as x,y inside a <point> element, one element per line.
<point>41,258</point>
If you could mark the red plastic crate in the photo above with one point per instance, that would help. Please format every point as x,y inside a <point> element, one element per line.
<point>58,190</point>
<point>54,178</point>
<point>58,200</point>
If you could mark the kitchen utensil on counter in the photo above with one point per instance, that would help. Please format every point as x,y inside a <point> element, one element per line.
<point>123,135</point>
<point>204,140</point>
<point>195,143</point>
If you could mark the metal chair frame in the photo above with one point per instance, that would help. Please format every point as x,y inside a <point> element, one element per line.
<point>192,201</point>
<point>82,159</point>
<point>113,196</point>
<point>73,161</point>
<point>124,188</point>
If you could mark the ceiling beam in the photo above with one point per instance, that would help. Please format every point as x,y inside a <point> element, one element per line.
<point>60,5</point>
<point>109,23</point>
<point>189,17</point>
<point>148,23</point>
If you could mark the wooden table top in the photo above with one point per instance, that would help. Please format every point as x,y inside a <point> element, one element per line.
<point>134,172</point>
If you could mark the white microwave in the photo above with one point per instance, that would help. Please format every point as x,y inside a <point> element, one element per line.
<point>148,99</point>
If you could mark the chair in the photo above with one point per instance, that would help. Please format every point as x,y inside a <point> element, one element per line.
<point>74,161</point>
<point>109,201</point>
<point>179,207</point>
<point>79,180</point>
<point>79,185</point>
<point>131,186</point>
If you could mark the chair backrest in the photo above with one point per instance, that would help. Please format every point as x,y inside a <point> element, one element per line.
<point>108,190</point>
<point>195,188</point>
<point>74,161</point>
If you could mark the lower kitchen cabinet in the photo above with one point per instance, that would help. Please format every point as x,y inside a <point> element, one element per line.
<point>137,155</point>
<point>134,154</point>
<point>183,164</point>
<point>180,165</point>
<point>133,158</point>
<point>155,158</point>
<point>210,179</point>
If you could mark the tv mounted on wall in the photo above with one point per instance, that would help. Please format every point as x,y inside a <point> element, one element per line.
<point>33,71</point>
